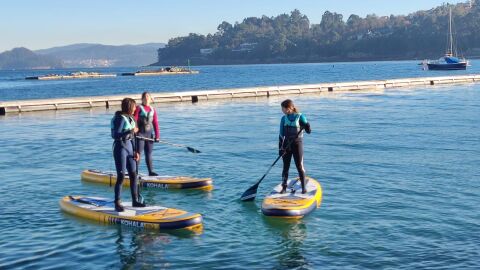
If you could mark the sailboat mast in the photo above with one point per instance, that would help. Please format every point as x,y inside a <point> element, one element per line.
<point>450,32</point>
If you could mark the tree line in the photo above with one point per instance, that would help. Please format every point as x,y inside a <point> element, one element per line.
<point>292,37</point>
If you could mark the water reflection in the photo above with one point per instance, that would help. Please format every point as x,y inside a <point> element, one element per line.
<point>291,234</point>
<point>133,246</point>
<point>137,248</point>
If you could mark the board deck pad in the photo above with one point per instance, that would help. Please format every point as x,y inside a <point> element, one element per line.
<point>294,189</point>
<point>161,181</point>
<point>293,203</point>
<point>151,216</point>
<point>108,207</point>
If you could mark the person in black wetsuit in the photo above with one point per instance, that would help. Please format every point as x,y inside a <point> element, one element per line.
<point>123,129</point>
<point>147,119</point>
<point>291,141</point>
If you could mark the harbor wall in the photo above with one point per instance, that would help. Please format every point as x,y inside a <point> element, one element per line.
<point>200,95</point>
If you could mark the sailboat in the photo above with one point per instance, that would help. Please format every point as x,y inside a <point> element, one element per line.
<point>450,61</point>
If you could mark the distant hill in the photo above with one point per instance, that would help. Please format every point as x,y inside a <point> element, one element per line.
<point>98,55</point>
<point>22,58</point>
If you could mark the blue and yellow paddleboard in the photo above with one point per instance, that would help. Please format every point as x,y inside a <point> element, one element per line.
<point>163,182</point>
<point>151,217</point>
<point>293,204</point>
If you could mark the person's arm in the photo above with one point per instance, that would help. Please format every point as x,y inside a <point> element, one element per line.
<point>118,132</point>
<point>305,124</point>
<point>281,137</point>
<point>136,114</point>
<point>155,124</point>
<point>282,123</point>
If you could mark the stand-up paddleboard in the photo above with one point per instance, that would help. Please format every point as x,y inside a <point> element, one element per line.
<point>152,217</point>
<point>164,182</point>
<point>293,204</point>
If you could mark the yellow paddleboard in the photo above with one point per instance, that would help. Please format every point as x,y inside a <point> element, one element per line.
<point>152,217</point>
<point>163,182</point>
<point>293,204</point>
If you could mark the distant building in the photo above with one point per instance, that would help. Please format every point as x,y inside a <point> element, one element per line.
<point>206,51</point>
<point>245,47</point>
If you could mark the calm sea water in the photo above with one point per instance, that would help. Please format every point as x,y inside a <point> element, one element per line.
<point>13,85</point>
<point>399,169</point>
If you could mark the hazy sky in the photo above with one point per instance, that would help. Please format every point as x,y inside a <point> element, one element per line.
<point>38,24</point>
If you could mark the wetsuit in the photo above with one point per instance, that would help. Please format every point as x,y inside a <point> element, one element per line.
<point>147,120</point>
<point>291,144</point>
<point>123,152</point>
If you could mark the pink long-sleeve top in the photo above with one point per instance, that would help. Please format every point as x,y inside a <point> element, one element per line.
<point>155,119</point>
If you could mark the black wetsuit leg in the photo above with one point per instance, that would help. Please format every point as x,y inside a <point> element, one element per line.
<point>132,174</point>
<point>148,156</point>
<point>120,157</point>
<point>141,145</point>
<point>124,163</point>
<point>297,151</point>
<point>146,146</point>
<point>287,158</point>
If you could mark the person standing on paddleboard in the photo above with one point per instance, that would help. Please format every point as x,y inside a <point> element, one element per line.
<point>291,141</point>
<point>147,120</point>
<point>123,129</point>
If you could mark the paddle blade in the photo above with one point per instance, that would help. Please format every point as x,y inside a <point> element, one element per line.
<point>193,150</point>
<point>250,194</point>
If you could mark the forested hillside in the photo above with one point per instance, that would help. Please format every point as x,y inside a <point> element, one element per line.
<point>294,38</point>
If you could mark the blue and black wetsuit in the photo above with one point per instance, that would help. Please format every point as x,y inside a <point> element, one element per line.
<point>122,127</point>
<point>291,144</point>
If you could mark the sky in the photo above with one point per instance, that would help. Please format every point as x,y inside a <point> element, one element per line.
<point>40,24</point>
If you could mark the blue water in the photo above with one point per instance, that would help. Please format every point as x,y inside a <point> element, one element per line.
<point>399,169</point>
<point>13,85</point>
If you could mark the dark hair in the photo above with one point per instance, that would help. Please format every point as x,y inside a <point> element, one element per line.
<point>144,94</point>
<point>288,104</point>
<point>128,104</point>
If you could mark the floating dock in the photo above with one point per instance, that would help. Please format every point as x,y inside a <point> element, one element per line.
<point>195,96</point>
<point>75,75</point>
<point>159,73</point>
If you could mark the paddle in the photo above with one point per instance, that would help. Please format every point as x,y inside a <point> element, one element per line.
<point>140,198</point>
<point>80,200</point>
<point>191,149</point>
<point>251,193</point>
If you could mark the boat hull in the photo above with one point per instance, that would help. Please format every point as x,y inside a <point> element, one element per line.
<point>452,66</point>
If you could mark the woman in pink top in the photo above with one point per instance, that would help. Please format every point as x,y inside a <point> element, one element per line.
<point>147,120</point>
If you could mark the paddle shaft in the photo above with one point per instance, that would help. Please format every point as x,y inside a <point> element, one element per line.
<point>169,143</point>
<point>83,201</point>
<point>250,193</point>
<point>280,156</point>
<point>269,169</point>
<point>159,141</point>
<point>137,164</point>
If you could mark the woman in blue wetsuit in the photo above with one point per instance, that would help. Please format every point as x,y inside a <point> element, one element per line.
<point>291,141</point>
<point>123,129</point>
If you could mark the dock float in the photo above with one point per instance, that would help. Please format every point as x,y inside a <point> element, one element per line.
<point>19,106</point>
<point>160,73</point>
<point>74,75</point>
